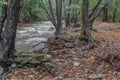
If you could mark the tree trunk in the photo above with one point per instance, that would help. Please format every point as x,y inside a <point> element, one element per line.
<point>55,19</point>
<point>68,14</point>
<point>75,12</point>
<point>105,13</point>
<point>49,13</point>
<point>59,16</point>
<point>7,47</point>
<point>3,16</point>
<point>114,15</point>
<point>85,20</point>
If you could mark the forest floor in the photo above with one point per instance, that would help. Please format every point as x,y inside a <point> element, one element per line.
<point>74,60</point>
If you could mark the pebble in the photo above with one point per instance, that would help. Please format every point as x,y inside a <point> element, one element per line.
<point>76,64</point>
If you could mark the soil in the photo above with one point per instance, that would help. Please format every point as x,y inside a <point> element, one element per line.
<point>73,60</point>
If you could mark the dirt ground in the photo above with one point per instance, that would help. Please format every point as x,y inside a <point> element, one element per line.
<point>74,62</point>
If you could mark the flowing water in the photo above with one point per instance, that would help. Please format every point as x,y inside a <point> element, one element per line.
<point>30,36</point>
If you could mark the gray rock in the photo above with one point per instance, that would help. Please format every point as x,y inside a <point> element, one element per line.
<point>55,78</point>
<point>30,35</point>
<point>47,58</point>
<point>69,45</point>
<point>96,76</point>
<point>31,76</point>
<point>1,70</point>
<point>39,46</point>
<point>13,65</point>
<point>76,64</point>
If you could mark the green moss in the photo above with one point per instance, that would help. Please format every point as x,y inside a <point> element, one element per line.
<point>91,37</point>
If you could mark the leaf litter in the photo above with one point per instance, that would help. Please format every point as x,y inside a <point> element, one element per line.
<point>99,62</point>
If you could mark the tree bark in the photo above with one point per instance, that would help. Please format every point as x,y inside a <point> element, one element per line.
<point>59,16</point>
<point>105,13</point>
<point>95,12</point>
<point>114,15</point>
<point>52,13</point>
<point>3,16</point>
<point>95,9</point>
<point>7,47</point>
<point>67,22</point>
<point>48,13</point>
<point>55,19</point>
<point>85,20</point>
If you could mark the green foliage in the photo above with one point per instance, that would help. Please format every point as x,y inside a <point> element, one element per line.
<point>91,37</point>
<point>112,5</point>
<point>1,2</point>
<point>32,9</point>
<point>73,7</point>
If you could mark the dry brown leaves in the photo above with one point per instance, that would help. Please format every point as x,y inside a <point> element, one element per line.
<point>69,63</point>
